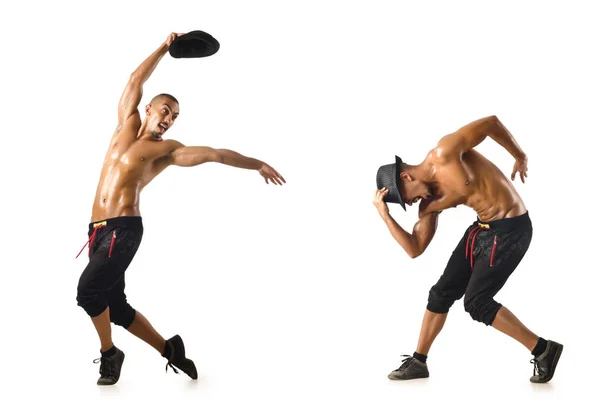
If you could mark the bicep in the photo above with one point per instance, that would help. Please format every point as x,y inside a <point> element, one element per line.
<point>130,99</point>
<point>464,139</point>
<point>188,156</point>
<point>424,230</point>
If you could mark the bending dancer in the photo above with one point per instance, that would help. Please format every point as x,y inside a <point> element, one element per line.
<point>453,174</point>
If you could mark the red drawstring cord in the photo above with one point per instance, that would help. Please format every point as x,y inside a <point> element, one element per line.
<point>467,243</point>
<point>90,241</point>
<point>474,234</point>
<point>473,244</point>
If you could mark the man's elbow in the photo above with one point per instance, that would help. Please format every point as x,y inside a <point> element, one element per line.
<point>217,156</point>
<point>135,78</point>
<point>415,254</point>
<point>492,121</point>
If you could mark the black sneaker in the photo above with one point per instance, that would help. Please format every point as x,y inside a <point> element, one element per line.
<point>411,368</point>
<point>178,358</point>
<point>110,368</point>
<point>545,364</point>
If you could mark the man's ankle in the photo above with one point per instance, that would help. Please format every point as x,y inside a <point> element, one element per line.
<point>109,352</point>
<point>167,350</point>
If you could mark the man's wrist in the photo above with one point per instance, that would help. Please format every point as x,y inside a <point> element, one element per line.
<point>521,156</point>
<point>164,47</point>
<point>385,215</point>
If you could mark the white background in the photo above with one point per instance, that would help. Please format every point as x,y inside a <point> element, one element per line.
<point>298,293</point>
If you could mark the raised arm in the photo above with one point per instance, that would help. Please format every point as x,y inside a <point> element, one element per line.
<point>190,156</point>
<point>414,243</point>
<point>132,95</point>
<point>464,139</point>
<point>472,134</point>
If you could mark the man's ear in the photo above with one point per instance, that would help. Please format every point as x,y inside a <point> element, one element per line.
<point>405,177</point>
<point>148,110</point>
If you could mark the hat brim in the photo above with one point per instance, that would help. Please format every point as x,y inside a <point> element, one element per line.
<point>397,178</point>
<point>194,44</point>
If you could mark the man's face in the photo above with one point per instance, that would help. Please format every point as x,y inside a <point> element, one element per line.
<point>161,115</point>
<point>412,190</point>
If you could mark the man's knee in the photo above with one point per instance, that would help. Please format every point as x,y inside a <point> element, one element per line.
<point>483,310</point>
<point>92,302</point>
<point>439,301</point>
<point>122,314</point>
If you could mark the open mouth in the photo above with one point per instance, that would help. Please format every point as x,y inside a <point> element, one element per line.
<point>163,127</point>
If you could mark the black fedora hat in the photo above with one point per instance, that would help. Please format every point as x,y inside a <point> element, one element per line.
<point>194,44</point>
<point>388,176</point>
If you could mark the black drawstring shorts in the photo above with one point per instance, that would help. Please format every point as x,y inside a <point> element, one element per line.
<point>480,265</point>
<point>112,245</point>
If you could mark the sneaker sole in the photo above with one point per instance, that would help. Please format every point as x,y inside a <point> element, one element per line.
<point>392,377</point>
<point>191,372</point>
<point>553,368</point>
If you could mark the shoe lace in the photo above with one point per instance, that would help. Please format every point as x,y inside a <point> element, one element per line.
<point>535,366</point>
<point>105,368</point>
<point>172,367</point>
<point>406,362</point>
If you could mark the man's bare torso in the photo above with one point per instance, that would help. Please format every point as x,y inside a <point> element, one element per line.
<point>475,182</point>
<point>128,167</point>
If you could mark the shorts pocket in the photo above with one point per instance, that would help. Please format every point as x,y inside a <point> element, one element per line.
<point>493,251</point>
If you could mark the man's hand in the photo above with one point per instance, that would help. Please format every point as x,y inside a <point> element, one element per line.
<point>171,38</point>
<point>269,173</point>
<point>379,203</point>
<point>521,168</point>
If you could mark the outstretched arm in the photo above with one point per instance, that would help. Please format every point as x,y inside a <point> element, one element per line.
<point>469,136</point>
<point>189,156</point>
<point>132,95</point>
<point>414,243</point>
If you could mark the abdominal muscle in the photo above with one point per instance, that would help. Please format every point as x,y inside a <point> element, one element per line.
<point>118,193</point>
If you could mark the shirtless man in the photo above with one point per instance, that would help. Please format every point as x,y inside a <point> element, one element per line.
<point>453,174</point>
<point>136,155</point>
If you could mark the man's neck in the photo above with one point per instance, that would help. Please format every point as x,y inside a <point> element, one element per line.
<point>144,133</point>
<point>422,172</point>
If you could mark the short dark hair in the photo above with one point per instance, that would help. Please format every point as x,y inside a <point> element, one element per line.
<point>169,96</point>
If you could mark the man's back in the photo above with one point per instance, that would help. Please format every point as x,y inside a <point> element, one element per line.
<point>460,175</point>
<point>472,180</point>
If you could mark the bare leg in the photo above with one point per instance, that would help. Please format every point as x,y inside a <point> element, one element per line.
<point>102,324</point>
<point>430,328</point>
<point>510,325</point>
<point>142,329</point>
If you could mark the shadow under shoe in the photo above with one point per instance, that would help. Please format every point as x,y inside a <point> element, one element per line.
<point>545,364</point>
<point>110,368</point>
<point>178,359</point>
<point>411,368</point>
